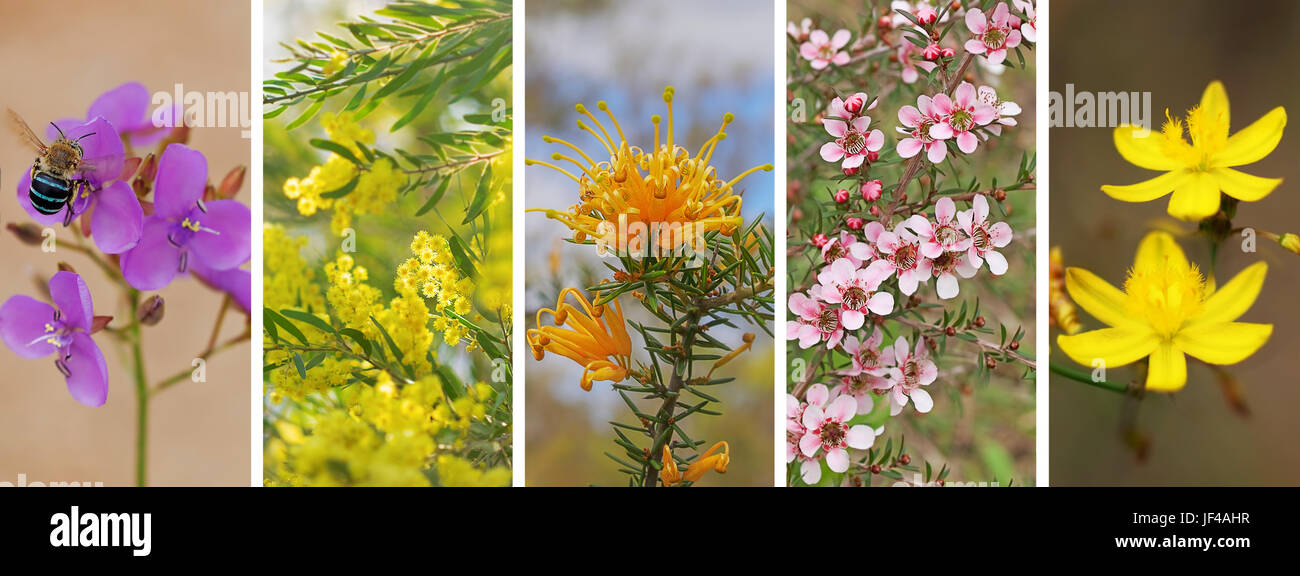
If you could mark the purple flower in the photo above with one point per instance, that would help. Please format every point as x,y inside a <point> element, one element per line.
<point>237,282</point>
<point>34,329</point>
<point>127,109</point>
<point>116,218</point>
<point>183,228</point>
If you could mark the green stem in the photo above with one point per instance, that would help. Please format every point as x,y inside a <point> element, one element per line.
<point>141,393</point>
<point>1087,378</point>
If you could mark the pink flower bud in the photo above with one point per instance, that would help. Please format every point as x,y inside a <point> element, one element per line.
<point>850,171</point>
<point>820,240</point>
<point>875,210</point>
<point>932,52</point>
<point>854,104</point>
<point>842,196</point>
<point>855,223</point>
<point>872,155</point>
<point>949,52</point>
<point>926,15</point>
<point>871,190</point>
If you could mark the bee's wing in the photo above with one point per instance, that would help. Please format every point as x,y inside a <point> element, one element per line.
<point>17,124</point>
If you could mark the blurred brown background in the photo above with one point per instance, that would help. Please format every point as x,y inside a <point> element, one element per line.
<point>57,57</point>
<point>1173,49</point>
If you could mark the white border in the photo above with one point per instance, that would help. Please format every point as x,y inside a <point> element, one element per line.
<point>781,367</point>
<point>518,358</point>
<point>255,188</point>
<point>1042,343</point>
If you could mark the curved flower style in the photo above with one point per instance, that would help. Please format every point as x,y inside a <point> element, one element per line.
<point>853,140</point>
<point>662,187</point>
<point>993,35</point>
<point>596,341</point>
<point>183,227</point>
<point>917,122</point>
<point>116,218</point>
<point>854,290</point>
<point>827,429</point>
<point>672,476</point>
<point>1196,172</point>
<point>1165,311</point>
<point>912,369</point>
<point>823,50</point>
<point>34,329</point>
<point>961,115</point>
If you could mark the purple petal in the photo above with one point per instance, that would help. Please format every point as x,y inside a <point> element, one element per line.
<point>154,260</point>
<point>230,246</point>
<point>25,200</point>
<point>102,149</point>
<point>117,220</point>
<point>70,294</point>
<point>182,175</point>
<point>126,107</point>
<point>23,320</point>
<point>236,282</point>
<point>87,371</point>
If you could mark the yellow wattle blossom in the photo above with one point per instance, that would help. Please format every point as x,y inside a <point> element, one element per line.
<point>1197,171</point>
<point>596,337</point>
<point>663,186</point>
<point>1166,310</point>
<point>377,185</point>
<point>287,280</point>
<point>354,301</point>
<point>671,476</point>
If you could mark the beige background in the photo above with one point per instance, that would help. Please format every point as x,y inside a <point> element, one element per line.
<point>56,58</point>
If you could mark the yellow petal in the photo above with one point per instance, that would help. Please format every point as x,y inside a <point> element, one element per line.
<point>1215,102</point>
<point>1224,343</point>
<point>1157,248</point>
<point>1167,371</point>
<point>1243,186</point>
<point>1114,346</point>
<point>1147,190</point>
<point>1233,299</point>
<point>1196,198</point>
<point>1254,142</point>
<point>1099,298</point>
<point>1141,147</point>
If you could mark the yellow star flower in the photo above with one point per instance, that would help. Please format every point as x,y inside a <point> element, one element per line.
<point>664,185</point>
<point>672,476</point>
<point>1165,311</point>
<point>1197,171</point>
<point>596,338</point>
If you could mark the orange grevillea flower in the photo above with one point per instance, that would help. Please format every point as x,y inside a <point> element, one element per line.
<point>593,336</point>
<point>664,185</point>
<point>672,476</point>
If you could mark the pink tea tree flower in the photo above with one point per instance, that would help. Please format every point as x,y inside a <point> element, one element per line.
<point>993,35</point>
<point>823,50</point>
<point>944,244</point>
<point>960,115</point>
<point>907,53</point>
<point>799,32</point>
<point>816,322</point>
<point>900,252</point>
<point>854,290</point>
<point>917,124</point>
<point>1029,28</point>
<point>854,140</point>
<point>33,329</point>
<point>985,238</point>
<point>912,369</point>
<point>1005,109</point>
<point>827,430</point>
<point>866,372</point>
<point>183,226</point>
<point>846,246</point>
